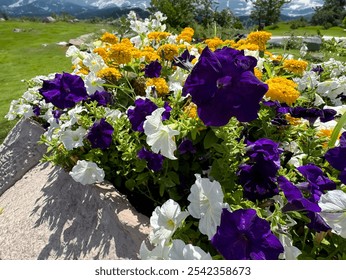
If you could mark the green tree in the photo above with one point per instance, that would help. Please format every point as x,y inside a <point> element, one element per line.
<point>266,12</point>
<point>179,13</point>
<point>330,14</point>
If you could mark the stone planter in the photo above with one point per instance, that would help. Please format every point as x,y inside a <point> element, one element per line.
<point>47,215</point>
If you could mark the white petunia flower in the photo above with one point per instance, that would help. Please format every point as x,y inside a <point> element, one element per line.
<point>73,138</point>
<point>333,210</point>
<point>160,137</point>
<point>94,62</point>
<point>159,252</point>
<point>87,172</point>
<point>180,251</point>
<point>165,220</point>
<point>206,203</point>
<point>290,252</point>
<point>93,83</point>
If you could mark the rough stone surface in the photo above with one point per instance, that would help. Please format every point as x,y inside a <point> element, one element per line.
<point>47,215</point>
<point>313,43</point>
<point>19,152</point>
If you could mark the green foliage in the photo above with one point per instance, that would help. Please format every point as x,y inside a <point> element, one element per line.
<point>330,14</point>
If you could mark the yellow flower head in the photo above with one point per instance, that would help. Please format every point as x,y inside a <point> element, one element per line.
<point>191,111</point>
<point>101,52</point>
<point>110,74</point>
<point>160,85</point>
<point>149,54</point>
<point>214,43</point>
<point>109,38</point>
<point>259,38</point>
<point>258,73</point>
<point>168,51</point>
<point>282,90</point>
<point>295,66</point>
<point>186,35</point>
<point>248,46</point>
<point>121,53</point>
<point>158,36</point>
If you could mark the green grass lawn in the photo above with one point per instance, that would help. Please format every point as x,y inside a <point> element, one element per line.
<point>33,51</point>
<point>284,29</point>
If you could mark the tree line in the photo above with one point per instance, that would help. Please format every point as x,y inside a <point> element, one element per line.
<point>181,13</point>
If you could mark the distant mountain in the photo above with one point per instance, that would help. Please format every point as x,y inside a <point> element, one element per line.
<point>101,8</point>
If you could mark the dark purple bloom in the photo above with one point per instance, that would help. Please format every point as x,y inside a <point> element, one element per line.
<point>186,146</point>
<point>222,85</point>
<point>37,110</point>
<point>242,235</point>
<point>316,222</point>
<point>153,69</point>
<point>336,157</point>
<point>296,200</point>
<point>317,181</point>
<point>102,97</point>
<point>137,115</point>
<point>256,182</point>
<point>154,161</point>
<point>184,61</point>
<point>167,113</point>
<point>57,114</point>
<point>100,134</point>
<point>264,150</point>
<point>318,69</point>
<point>64,91</point>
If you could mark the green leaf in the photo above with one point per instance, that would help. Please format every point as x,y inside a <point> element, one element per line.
<point>210,139</point>
<point>336,131</point>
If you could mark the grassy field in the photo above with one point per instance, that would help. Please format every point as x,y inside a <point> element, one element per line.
<point>30,52</point>
<point>283,28</point>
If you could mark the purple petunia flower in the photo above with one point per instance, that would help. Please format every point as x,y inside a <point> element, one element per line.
<point>167,113</point>
<point>100,134</point>
<point>186,146</point>
<point>336,157</point>
<point>222,85</point>
<point>64,91</point>
<point>154,161</point>
<point>318,69</point>
<point>297,202</point>
<point>153,69</point>
<point>258,181</point>
<point>37,110</point>
<point>184,61</point>
<point>310,114</point>
<point>137,115</point>
<point>242,235</point>
<point>102,97</point>
<point>317,181</point>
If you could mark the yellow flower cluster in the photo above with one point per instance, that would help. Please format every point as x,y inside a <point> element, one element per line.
<point>121,52</point>
<point>150,54</point>
<point>214,43</point>
<point>186,35</point>
<point>258,73</point>
<point>282,90</point>
<point>160,85</point>
<point>110,74</point>
<point>295,66</point>
<point>109,38</point>
<point>158,36</point>
<point>168,51</point>
<point>259,38</point>
<point>191,111</point>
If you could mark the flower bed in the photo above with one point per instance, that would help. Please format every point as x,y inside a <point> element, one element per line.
<point>234,152</point>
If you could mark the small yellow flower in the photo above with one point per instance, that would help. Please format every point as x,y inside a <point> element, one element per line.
<point>295,66</point>
<point>282,90</point>
<point>186,35</point>
<point>259,38</point>
<point>292,121</point>
<point>191,111</point>
<point>160,85</point>
<point>258,73</point>
<point>214,43</point>
<point>109,74</point>
<point>121,53</point>
<point>101,52</point>
<point>109,38</point>
<point>168,51</point>
<point>158,36</point>
<point>149,54</point>
<point>248,46</point>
